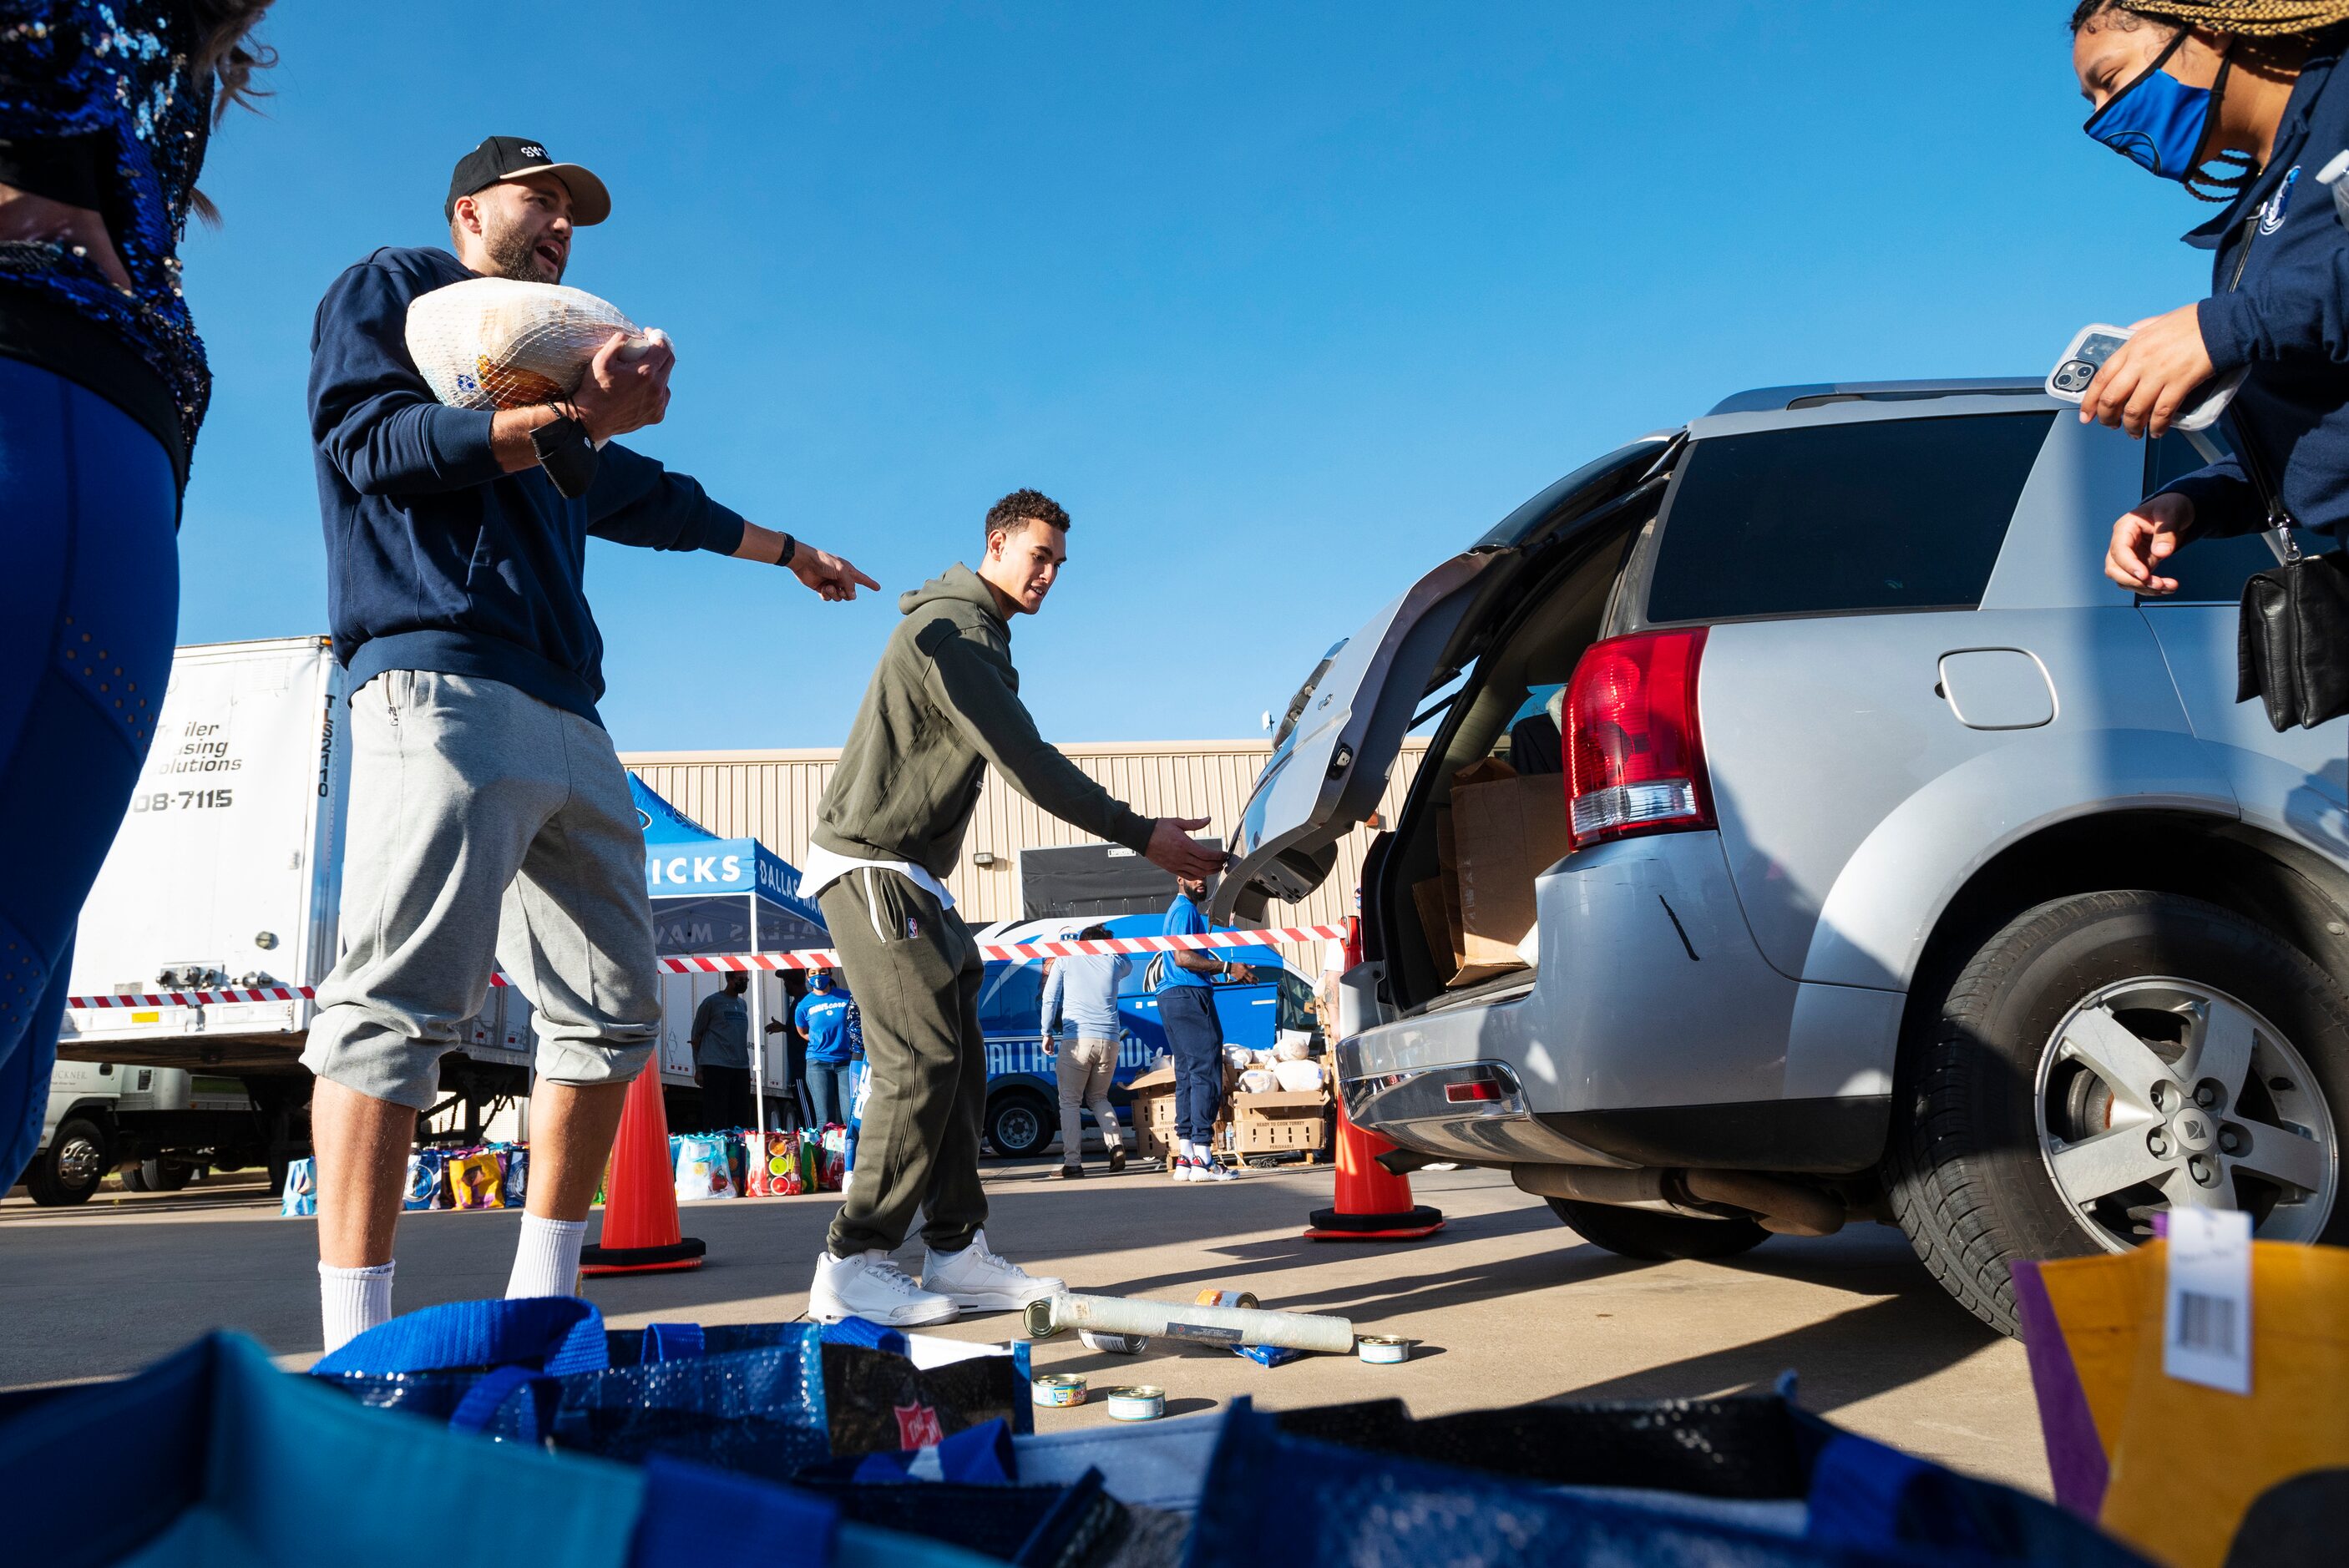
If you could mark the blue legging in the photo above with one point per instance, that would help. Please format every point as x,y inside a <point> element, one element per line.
<point>89,603</point>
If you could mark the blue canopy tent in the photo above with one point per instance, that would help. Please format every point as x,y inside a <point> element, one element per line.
<point>713,895</point>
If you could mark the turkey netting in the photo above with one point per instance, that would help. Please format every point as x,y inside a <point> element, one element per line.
<point>499,343</point>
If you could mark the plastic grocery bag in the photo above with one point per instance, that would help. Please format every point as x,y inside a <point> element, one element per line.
<point>702,1171</point>
<point>2184,1470</point>
<point>476,1180</point>
<point>756,1182</point>
<point>1298,1077</point>
<point>301,1199</point>
<point>832,1161</point>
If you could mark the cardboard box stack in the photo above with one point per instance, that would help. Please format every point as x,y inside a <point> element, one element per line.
<point>1280,1122</point>
<point>1498,832</point>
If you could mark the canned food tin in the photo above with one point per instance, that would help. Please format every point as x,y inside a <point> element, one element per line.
<point>1139,1403</point>
<point>1115,1344</point>
<point>1383,1349</point>
<point>1057,1390</point>
<point>1243,1299</point>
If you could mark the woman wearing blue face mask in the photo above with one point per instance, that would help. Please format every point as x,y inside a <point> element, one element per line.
<point>2240,102</point>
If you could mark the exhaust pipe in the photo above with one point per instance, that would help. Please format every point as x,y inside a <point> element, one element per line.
<point>1779,1206</point>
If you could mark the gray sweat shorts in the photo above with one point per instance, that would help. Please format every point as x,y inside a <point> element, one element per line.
<point>485,826</point>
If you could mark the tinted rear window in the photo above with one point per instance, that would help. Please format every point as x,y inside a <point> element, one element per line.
<point>1890,514</point>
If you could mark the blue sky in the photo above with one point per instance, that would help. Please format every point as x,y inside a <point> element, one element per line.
<point>1285,303</point>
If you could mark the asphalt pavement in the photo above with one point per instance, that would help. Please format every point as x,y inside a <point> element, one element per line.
<point>1511,1306</point>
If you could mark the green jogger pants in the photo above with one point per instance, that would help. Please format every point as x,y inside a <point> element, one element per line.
<point>915,971</point>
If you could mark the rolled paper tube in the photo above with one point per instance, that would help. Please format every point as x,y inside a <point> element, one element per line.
<point>1183,1321</point>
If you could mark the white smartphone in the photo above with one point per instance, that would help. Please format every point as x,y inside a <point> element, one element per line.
<point>2095,343</point>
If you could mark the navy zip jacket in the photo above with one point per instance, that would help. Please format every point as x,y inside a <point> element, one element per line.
<point>2280,303</point>
<point>437,559</point>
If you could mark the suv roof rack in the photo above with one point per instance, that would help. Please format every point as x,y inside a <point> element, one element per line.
<point>1771,399</point>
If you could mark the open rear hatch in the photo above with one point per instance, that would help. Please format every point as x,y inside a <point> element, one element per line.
<point>1342,730</point>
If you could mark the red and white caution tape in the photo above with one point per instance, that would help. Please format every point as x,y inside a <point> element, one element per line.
<point>799,958</point>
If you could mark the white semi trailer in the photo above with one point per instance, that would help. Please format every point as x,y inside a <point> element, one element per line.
<point>228,873</point>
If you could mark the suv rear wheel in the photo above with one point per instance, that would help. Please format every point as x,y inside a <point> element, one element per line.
<point>1645,1233</point>
<point>2105,1058</point>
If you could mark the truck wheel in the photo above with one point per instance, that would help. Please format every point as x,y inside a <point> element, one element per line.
<point>1021,1125</point>
<point>1645,1233</point>
<point>2105,1058</point>
<point>160,1175</point>
<point>69,1169</point>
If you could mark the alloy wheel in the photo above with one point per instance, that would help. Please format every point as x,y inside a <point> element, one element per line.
<point>2156,1093</point>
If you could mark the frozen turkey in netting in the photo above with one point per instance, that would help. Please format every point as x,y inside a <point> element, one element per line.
<point>499,343</point>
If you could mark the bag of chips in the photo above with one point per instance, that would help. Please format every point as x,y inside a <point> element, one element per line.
<point>427,1180</point>
<point>476,1182</point>
<point>517,1159</point>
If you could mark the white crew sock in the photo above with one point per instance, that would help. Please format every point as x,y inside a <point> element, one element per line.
<point>352,1301</point>
<point>546,1259</point>
<point>1190,1149</point>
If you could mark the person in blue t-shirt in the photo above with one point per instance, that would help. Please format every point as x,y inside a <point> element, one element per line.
<point>1186,1010</point>
<point>823,1020</point>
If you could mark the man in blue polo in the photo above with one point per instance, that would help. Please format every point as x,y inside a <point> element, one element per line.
<point>1186,1010</point>
<point>490,823</point>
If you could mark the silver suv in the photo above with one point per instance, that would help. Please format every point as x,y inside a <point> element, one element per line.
<point>1918,872</point>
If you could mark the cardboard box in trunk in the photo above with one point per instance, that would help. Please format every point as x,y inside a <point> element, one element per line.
<point>1505,829</point>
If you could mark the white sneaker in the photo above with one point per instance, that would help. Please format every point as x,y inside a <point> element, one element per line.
<point>977,1278</point>
<point>1214,1171</point>
<point>872,1286</point>
<point>1186,1169</point>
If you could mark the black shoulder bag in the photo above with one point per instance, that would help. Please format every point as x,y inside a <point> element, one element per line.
<point>2292,639</point>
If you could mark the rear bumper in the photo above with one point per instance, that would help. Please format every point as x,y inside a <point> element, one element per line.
<point>1654,1032</point>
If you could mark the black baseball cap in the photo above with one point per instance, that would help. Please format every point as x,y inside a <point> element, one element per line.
<point>504,156</point>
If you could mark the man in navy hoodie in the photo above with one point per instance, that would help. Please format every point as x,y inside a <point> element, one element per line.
<point>490,817</point>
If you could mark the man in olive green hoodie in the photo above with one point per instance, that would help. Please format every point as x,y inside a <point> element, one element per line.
<point>943,706</point>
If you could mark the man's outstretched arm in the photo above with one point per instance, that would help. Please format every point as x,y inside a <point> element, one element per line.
<point>972,687</point>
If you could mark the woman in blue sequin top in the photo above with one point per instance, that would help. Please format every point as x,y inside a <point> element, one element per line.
<point>105,109</point>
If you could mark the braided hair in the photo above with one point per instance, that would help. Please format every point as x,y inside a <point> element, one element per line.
<point>2245,18</point>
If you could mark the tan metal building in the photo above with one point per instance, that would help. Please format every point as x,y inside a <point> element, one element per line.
<point>771,796</point>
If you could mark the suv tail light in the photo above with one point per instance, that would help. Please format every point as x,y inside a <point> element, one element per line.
<point>1634,761</point>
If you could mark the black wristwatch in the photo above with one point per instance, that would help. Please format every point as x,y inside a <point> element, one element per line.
<point>567,454</point>
<point>791,548</point>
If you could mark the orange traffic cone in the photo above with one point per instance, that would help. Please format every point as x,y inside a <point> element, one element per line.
<point>640,1229</point>
<point>1373,1203</point>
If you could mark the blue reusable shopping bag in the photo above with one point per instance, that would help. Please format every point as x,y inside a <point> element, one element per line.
<point>1274,1496</point>
<point>539,1370</point>
<point>213,1456</point>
